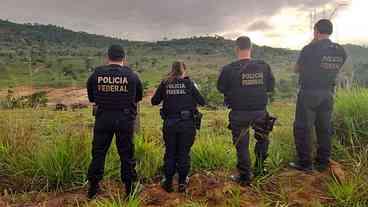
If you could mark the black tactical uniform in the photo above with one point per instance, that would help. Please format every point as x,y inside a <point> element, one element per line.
<point>180,99</point>
<point>245,85</point>
<point>319,64</point>
<point>115,90</point>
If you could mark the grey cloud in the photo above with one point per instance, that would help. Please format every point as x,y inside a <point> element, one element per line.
<point>149,19</point>
<point>259,25</point>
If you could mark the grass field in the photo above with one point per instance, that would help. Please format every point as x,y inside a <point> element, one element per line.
<point>46,153</point>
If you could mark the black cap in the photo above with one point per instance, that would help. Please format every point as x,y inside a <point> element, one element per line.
<point>324,26</point>
<point>116,53</point>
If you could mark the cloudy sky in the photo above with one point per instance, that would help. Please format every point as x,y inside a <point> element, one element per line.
<point>279,23</point>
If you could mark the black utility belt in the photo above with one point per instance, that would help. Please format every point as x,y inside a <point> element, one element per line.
<point>183,115</point>
<point>115,110</point>
<point>99,109</point>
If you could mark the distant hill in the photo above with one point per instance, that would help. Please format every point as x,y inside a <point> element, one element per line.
<point>359,54</point>
<point>52,55</point>
<point>13,33</point>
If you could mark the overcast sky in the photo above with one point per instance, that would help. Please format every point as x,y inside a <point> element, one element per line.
<point>279,23</point>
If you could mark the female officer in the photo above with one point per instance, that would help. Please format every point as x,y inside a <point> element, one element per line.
<point>180,98</point>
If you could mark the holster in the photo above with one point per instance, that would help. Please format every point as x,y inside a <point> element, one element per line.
<point>162,114</point>
<point>186,115</point>
<point>94,110</point>
<point>265,125</point>
<point>197,119</point>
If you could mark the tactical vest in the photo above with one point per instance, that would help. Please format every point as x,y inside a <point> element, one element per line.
<point>178,97</point>
<point>248,89</point>
<point>323,66</point>
<point>115,88</point>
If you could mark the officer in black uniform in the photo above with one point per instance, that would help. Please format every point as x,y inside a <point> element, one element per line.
<point>318,65</point>
<point>116,90</point>
<point>180,98</point>
<point>245,85</point>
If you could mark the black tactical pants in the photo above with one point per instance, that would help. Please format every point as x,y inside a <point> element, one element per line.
<point>314,108</point>
<point>240,122</point>
<point>108,124</point>
<point>179,137</point>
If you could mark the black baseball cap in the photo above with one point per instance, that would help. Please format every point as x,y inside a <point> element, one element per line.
<point>324,26</point>
<point>116,52</point>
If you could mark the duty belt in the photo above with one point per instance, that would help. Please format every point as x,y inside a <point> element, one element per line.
<point>98,109</point>
<point>183,115</point>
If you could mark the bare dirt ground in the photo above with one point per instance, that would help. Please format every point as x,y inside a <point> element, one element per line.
<point>288,186</point>
<point>67,96</point>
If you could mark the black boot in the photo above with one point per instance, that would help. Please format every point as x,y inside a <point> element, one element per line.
<point>167,185</point>
<point>322,165</point>
<point>183,184</point>
<point>242,180</point>
<point>302,167</point>
<point>93,189</point>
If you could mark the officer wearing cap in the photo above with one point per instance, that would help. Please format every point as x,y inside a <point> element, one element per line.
<point>245,84</point>
<point>180,99</point>
<point>116,90</point>
<point>318,66</point>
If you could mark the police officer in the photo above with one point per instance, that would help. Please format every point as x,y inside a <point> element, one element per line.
<point>180,98</point>
<point>318,65</point>
<point>245,85</point>
<point>116,90</point>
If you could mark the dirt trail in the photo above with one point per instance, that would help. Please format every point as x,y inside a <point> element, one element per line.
<point>288,186</point>
<point>67,96</point>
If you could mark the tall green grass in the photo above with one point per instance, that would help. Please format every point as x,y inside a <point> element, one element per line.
<point>351,116</point>
<point>211,153</point>
<point>53,149</point>
<point>351,124</point>
<point>351,193</point>
<point>62,162</point>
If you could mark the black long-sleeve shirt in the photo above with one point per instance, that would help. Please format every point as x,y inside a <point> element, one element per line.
<point>178,95</point>
<point>245,84</point>
<point>319,64</point>
<point>115,87</point>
